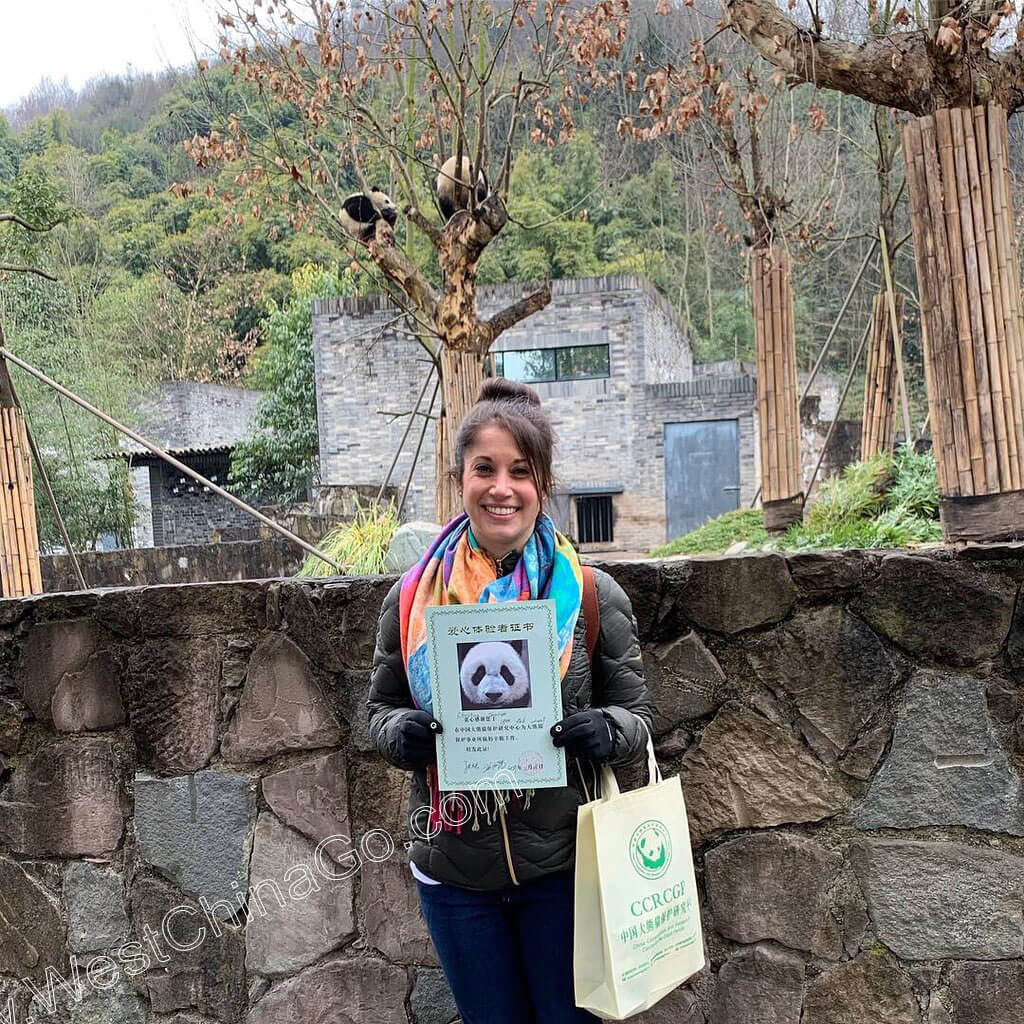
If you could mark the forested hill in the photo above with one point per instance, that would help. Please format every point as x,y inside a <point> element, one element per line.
<point>154,284</point>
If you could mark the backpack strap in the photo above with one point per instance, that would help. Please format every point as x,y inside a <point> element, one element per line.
<point>591,610</point>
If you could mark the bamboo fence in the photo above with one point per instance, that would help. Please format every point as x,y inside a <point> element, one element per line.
<point>878,423</point>
<point>972,320</point>
<point>20,574</point>
<point>781,471</point>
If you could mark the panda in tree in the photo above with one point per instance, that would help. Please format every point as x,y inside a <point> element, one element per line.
<point>361,211</point>
<point>494,675</point>
<point>453,194</point>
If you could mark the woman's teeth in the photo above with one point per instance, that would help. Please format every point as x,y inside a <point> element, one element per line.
<point>496,511</point>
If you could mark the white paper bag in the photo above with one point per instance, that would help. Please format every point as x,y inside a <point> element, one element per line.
<point>637,925</point>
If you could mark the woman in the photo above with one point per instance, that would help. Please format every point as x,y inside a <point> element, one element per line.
<point>496,889</point>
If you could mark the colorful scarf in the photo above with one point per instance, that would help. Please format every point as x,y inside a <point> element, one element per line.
<point>456,570</point>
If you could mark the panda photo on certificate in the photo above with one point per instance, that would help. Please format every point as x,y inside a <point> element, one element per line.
<point>495,687</point>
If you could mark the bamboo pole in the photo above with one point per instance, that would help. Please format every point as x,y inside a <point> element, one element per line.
<point>897,345</point>
<point>16,530</point>
<point>6,353</point>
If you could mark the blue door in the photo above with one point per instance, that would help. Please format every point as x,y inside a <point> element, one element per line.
<point>702,472</point>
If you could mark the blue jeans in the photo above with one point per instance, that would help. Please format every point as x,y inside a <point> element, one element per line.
<point>507,953</point>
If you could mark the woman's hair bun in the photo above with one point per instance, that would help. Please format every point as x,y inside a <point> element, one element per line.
<point>501,389</point>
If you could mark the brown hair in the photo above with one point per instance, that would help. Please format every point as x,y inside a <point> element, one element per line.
<point>515,407</point>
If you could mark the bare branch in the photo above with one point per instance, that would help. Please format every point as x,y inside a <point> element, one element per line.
<point>19,269</point>
<point>511,315</point>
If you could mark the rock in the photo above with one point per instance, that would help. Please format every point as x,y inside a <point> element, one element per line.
<point>389,913</point>
<point>197,831</point>
<point>818,574</point>
<point>870,988</point>
<point>10,727</point>
<point>937,1012</point>
<point>32,929</point>
<point>120,1006</point>
<point>759,985</point>
<point>747,773</point>
<point>830,664</point>
<point>312,798</point>
<point>678,1007</point>
<point>1003,700</point>
<point>349,701</point>
<point>729,595</point>
<point>50,650</point>
<point>860,760</point>
<point>89,700</point>
<point>431,1001</point>
<point>67,799</point>
<point>946,765</point>
<point>208,978</point>
<point>983,993</point>
<point>96,914</point>
<point>914,599</point>
<point>296,914</point>
<point>408,545</point>
<point>642,581</point>
<point>341,992</point>
<point>682,677</point>
<point>172,692</point>
<point>752,884</point>
<point>378,797</point>
<point>939,900</point>
<point>282,707</point>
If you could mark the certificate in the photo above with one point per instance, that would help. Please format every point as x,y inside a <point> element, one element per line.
<point>497,691</point>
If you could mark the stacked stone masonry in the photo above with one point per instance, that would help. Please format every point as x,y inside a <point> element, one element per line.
<point>193,819</point>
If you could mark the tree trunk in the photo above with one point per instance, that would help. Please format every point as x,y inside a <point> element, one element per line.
<point>20,574</point>
<point>969,283</point>
<point>462,373</point>
<point>878,424</point>
<point>781,477</point>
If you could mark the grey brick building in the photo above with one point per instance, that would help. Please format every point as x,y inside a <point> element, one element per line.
<point>650,444</point>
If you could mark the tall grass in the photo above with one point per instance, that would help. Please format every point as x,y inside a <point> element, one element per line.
<point>359,547</point>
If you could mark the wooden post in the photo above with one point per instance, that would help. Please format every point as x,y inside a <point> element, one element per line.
<point>972,317</point>
<point>20,573</point>
<point>877,432</point>
<point>781,482</point>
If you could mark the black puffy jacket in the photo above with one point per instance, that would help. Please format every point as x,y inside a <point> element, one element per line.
<point>525,841</point>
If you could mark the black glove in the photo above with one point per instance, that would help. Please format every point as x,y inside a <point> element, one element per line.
<point>585,734</point>
<point>414,742</point>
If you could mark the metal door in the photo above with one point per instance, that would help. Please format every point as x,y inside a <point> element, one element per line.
<point>702,472</point>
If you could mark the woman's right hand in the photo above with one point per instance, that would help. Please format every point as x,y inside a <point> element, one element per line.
<point>415,739</point>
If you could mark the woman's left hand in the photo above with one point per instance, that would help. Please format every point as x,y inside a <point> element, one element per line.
<point>585,734</point>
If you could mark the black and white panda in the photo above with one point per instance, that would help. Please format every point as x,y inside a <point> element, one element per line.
<point>453,195</point>
<point>493,675</point>
<point>361,211</point>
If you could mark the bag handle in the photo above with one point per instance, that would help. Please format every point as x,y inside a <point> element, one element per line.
<point>610,785</point>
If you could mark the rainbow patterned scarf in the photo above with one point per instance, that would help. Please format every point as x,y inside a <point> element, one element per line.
<point>456,570</point>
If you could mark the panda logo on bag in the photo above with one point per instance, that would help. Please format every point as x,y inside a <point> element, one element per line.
<point>494,675</point>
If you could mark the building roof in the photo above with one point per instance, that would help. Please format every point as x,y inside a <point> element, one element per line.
<point>185,417</point>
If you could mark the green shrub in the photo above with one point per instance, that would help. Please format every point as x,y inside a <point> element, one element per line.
<point>717,534</point>
<point>358,547</point>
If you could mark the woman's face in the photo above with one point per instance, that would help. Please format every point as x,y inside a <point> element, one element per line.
<point>498,492</point>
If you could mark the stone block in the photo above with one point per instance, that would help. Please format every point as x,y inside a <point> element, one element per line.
<point>913,600</point>
<point>172,691</point>
<point>121,1005</point>
<point>729,595</point>
<point>684,680</point>
<point>431,1000</point>
<point>296,914</point>
<point>831,666</point>
<point>389,912</point>
<point>826,574</point>
<point>774,886</point>
<point>408,545</point>
<point>32,927</point>
<point>860,760</point>
<point>341,991</point>
<point>96,908</point>
<point>67,799</point>
<point>10,726</point>
<point>89,700</point>
<point>870,988</point>
<point>939,900</point>
<point>282,707</point>
<point>946,765</point>
<point>50,650</point>
<point>746,772</point>
<point>678,1007</point>
<point>759,985</point>
<point>984,993</point>
<point>197,830</point>
<point>197,964</point>
<point>312,798</point>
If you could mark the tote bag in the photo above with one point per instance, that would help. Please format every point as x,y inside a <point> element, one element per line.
<point>637,923</point>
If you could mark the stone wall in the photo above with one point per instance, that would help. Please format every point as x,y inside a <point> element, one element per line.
<point>847,727</point>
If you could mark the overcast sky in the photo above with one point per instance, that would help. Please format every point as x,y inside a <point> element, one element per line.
<point>85,38</point>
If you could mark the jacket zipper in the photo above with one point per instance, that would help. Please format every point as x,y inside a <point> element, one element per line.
<point>508,848</point>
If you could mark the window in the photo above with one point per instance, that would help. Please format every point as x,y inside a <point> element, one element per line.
<point>534,366</point>
<point>594,519</point>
